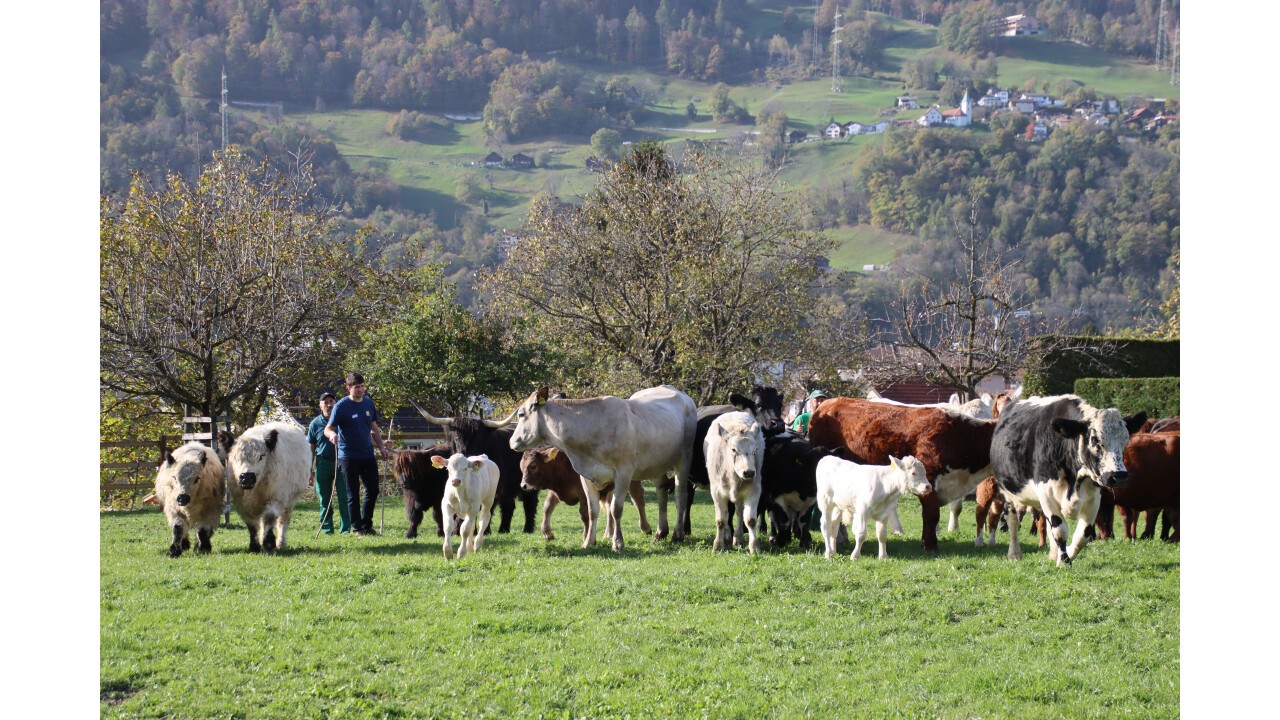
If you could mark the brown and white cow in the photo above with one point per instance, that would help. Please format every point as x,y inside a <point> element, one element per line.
<point>1152,462</point>
<point>954,448</point>
<point>549,469</point>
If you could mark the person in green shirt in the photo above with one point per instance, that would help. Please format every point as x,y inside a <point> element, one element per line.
<point>801,424</point>
<point>325,468</point>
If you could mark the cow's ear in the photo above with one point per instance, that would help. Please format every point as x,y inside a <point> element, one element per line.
<point>742,402</point>
<point>437,462</point>
<point>720,429</point>
<point>542,395</point>
<point>1069,428</point>
<point>168,459</point>
<point>552,453</point>
<point>226,440</point>
<point>477,464</point>
<point>204,458</point>
<point>1134,423</point>
<point>272,438</point>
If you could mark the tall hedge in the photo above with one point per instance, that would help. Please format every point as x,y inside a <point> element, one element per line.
<point>1158,396</point>
<point>1055,372</point>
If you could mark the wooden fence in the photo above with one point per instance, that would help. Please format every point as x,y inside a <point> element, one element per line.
<point>137,473</point>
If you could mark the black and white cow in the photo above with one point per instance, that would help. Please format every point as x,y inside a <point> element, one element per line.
<point>789,486</point>
<point>1052,454</point>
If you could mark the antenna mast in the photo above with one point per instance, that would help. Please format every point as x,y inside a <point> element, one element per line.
<point>836,84</point>
<point>223,108</point>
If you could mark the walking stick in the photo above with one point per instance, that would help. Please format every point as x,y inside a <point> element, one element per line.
<point>382,507</point>
<point>333,490</point>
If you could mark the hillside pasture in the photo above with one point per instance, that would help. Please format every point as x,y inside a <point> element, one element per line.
<point>339,626</point>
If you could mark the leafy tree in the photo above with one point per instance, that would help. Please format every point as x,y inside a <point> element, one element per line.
<point>691,110</point>
<point>445,357</point>
<point>215,293</point>
<point>693,278</point>
<point>606,144</point>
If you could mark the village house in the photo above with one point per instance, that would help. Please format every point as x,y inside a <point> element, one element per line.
<point>852,128</point>
<point>493,159</point>
<point>834,131</point>
<point>1016,25</point>
<point>908,102</point>
<point>931,117</point>
<point>994,98</point>
<point>797,136</point>
<point>521,160</point>
<point>1022,105</point>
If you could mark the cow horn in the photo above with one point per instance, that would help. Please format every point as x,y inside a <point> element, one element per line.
<point>442,422</point>
<point>501,423</point>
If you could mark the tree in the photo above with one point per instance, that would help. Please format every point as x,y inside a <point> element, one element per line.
<point>606,144</point>
<point>215,293</point>
<point>973,325</point>
<point>691,110</point>
<point>695,277</point>
<point>442,355</point>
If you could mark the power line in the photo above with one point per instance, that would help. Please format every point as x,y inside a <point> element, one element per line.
<point>836,84</point>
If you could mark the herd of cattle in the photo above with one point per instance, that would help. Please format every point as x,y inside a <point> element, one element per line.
<point>1057,456</point>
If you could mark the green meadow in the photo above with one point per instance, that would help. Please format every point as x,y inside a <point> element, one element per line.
<point>384,627</point>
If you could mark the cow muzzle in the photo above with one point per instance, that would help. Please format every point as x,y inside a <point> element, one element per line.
<point>1118,479</point>
<point>248,480</point>
<point>183,499</point>
<point>749,474</point>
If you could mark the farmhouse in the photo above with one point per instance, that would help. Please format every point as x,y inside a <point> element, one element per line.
<point>908,102</point>
<point>493,159</point>
<point>833,131</point>
<point>931,117</point>
<point>1016,25</point>
<point>521,160</point>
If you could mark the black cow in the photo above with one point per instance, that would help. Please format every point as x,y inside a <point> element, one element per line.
<point>423,485</point>
<point>473,436</point>
<point>1051,454</point>
<point>789,486</point>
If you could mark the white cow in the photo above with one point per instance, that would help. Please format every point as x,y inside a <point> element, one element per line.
<point>608,439</point>
<point>849,494</point>
<point>469,493</point>
<point>190,487</point>
<point>270,469</point>
<point>979,408</point>
<point>734,448</point>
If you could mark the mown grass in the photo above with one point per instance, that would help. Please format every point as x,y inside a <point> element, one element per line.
<point>384,627</point>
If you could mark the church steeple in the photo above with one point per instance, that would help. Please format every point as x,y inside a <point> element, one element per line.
<point>964,103</point>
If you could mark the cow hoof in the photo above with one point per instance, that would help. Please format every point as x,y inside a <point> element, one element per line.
<point>255,548</point>
<point>175,550</point>
<point>411,534</point>
<point>186,543</point>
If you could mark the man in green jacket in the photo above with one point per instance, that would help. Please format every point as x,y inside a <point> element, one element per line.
<point>801,424</point>
<point>326,467</point>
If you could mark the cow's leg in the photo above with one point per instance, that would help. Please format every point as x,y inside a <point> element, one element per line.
<point>1057,523</point>
<point>636,491</point>
<point>447,511</point>
<point>894,522</point>
<point>528,499</point>
<point>830,518</point>
<point>412,513</point>
<point>859,530</point>
<point>269,533</point>
<point>590,496</point>
<point>722,518</point>
<point>179,534</point>
<point>682,503</point>
<point>254,545</point>
<point>801,524</point>
<point>203,537</point>
<point>664,491</point>
<point>482,524</point>
<point>1129,518</point>
<point>980,514</point>
<point>1014,519</point>
<point>606,505</point>
<point>508,507</point>
<point>547,506</point>
<point>777,529</point>
<point>1088,513</point>
<point>995,517</point>
<point>953,521</point>
<point>750,515</point>
<point>930,511</point>
<point>682,516</point>
<point>1171,514</point>
<point>466,534</point>
<point>439,518</point>
<point>622,480</point>
<point>282,527</point>
<point>882,539</point>
<point>1149,526</point>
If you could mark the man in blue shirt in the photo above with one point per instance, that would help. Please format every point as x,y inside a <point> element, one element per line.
<point>331,485</point>
<point>353,427</point>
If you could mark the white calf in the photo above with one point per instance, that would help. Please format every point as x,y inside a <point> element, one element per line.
<point>734,448</point>
<point>473,482</point>
<point>849,493</point>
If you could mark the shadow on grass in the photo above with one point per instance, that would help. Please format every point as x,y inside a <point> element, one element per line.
<point>1046,51</point>
<point>425,201</point>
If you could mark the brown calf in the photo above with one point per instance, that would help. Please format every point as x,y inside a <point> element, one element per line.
<point>549,469</point>
<point>1152,461</point>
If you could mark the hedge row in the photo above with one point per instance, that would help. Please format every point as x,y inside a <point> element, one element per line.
<point>1056,372</point>
<point>1156,395</point>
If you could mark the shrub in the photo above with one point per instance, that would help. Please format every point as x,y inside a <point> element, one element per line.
<point>1158,396</point>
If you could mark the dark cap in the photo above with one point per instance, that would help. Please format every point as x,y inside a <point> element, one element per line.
<point>327,394</point>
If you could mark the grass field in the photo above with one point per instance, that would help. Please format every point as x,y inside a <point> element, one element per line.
<point>384,627</point>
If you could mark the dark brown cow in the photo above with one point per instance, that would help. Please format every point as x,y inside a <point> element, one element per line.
<point>1152,461</point>
<point>423,485</point>
<point>955,449</point>
<point>1168,424</point>
<point>549,469</point>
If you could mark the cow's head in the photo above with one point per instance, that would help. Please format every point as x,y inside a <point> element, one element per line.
<point>1100,437</point>
<point>185,473</point>
<point>911,474</point>
<point>248,456</point>
<point>741,442</point>
<point>529,422</point>
<point>533,468</point>
<point>768,402</point>
<point>459,466</point>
